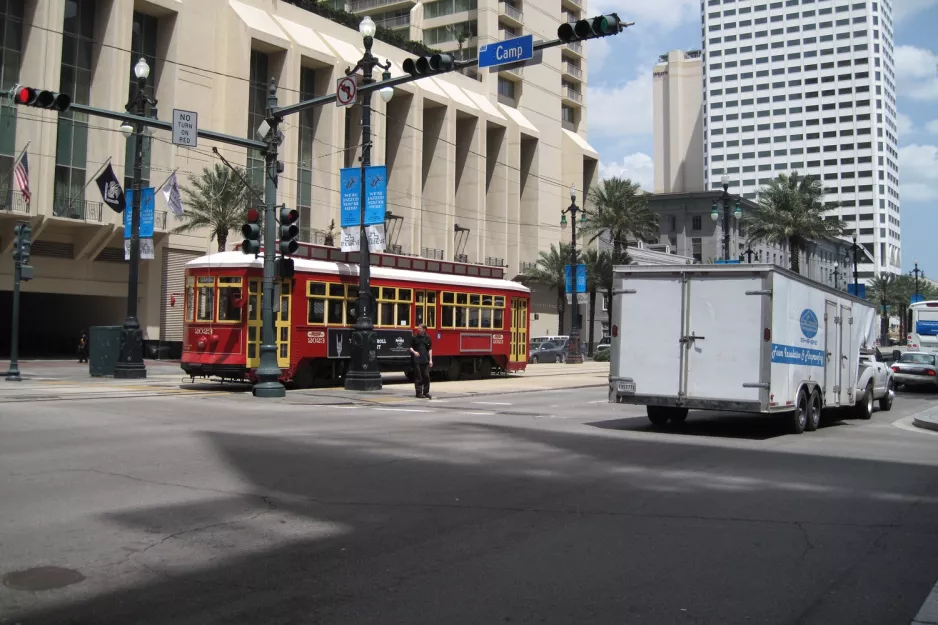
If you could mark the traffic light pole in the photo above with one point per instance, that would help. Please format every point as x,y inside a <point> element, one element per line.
<point>13,375</point>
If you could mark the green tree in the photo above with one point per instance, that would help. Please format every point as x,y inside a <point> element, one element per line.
<point>549,271</point>
<point>619,210</point>
<point>217,200</point>
<point>791,211</point>
<point>594,266</point>
<point>608,261</point>
<point>882,291</point>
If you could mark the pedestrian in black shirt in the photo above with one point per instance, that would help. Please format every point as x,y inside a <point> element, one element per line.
<point>421,349</point>
<point>83,347</point>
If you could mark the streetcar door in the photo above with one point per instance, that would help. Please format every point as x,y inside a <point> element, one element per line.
<point>519,330</point>
<point>255,322</point>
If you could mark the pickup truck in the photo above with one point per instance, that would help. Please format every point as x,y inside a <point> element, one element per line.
<point>874,383</point>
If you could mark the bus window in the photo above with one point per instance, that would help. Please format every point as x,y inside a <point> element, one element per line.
<point>229,299</point>
<point>206,298</point>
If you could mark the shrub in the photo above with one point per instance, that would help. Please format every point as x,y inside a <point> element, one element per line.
<point>601,355</point>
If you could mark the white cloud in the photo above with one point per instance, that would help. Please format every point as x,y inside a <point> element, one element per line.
<point>932,127</point>
<point>919,177</point>
<point>667,14</point>
<point>905,9</point>
<point>621,111</point>
<point>917,73</point>
<point>599,50</point>
<point>905,125</point>
<point>638,167</point>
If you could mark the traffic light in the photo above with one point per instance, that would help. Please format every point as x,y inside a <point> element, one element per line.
<point>601,26</point>
<point>251,231</point>
<point>285,268</point>
<point>427,65</point>
<point>289,230</point>
<point>22,243</point>
<point>27,96</point>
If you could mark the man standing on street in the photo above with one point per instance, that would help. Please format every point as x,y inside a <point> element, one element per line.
<point>421,348</point>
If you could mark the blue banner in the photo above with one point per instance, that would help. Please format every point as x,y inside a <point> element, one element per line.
<point>791,355</point>
<point>581,278</point>
<point>568,278</point>
<point>917,298</point>
<point>929,328</point>
<point>376,195</point>
<point>852,291</point>
<point>147,212</point>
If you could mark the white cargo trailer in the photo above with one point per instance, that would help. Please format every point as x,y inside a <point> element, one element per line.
<point>739,338</point>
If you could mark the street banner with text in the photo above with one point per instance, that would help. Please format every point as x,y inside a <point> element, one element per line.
<point>376,195</point>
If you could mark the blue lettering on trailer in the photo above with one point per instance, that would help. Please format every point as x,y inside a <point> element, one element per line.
<point>791,355</point>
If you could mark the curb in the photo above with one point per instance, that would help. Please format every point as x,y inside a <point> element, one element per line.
<point>926,419</point>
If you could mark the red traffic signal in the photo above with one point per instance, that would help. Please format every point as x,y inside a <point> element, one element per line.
<point>251,231</point>
<point>289,230</point>
<point>28,96</point>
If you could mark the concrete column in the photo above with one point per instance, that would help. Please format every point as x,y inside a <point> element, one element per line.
<point>403,155</point>
<point>470,197</point>
<point>439,158</point>
<point>495,228</point>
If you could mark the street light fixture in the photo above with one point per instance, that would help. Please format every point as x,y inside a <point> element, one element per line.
<point>130,361</point>
<point>916,272</point>
<point>363,373</point>
<point>574,353</point>
<point>726,198</point>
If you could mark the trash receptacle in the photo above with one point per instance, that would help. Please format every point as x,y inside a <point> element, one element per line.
<point>104,347</point>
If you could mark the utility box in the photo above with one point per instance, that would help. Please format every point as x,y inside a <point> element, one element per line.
<point>104,347</point>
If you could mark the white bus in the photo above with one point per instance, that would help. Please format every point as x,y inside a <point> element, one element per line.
<point>923,326</point>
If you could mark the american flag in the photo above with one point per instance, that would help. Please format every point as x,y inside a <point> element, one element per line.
<point>21,173</point>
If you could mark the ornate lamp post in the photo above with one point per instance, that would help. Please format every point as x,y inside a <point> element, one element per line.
<point>363,373</point>
<point>130,362</point>
<point>726,198</point>
<point>574,354</point>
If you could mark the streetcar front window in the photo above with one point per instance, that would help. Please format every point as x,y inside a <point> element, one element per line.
<point>206,310</point>
<point>190,299</point>
<point>471,310</point>
<point>229,299</point>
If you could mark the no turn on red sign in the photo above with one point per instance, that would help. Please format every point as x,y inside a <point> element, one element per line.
<point>345,91</point>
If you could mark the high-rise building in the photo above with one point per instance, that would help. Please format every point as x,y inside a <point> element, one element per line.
<point>807,86</point>
<point>678,122</point>
<point>479,164</point>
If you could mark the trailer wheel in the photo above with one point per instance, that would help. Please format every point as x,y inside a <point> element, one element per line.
<point>677,415</point>
<point>865,407</point>
<point>658,415</point>
<point>885,403</point>
<point>799,416</point>
<point>814,412</point>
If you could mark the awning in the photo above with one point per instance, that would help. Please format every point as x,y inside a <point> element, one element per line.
<point>307,38</point>
<point>582,144</point>
<point>484,104</point>
<point>261,24</point>
<point>516,115</point>
<point>344,50</point>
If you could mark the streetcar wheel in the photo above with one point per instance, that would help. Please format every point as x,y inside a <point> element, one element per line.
<point>304,376</point>
<point>485,370</point>
<point>453,370</point>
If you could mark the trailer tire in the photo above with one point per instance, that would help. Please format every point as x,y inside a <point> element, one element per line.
<point>864,409</point>
<point>814,412</point>
<point>657,415</point>
<point>677,415</point>
<point>885,402</point>
<point>798,418</point>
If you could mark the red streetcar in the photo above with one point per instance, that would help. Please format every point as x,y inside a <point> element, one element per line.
<point>478,321</point>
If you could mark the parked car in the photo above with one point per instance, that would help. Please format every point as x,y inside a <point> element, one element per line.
<point>549,352</point>
<point>538,340</point>
<point>874,383</point>
<point>604,343</point>
<point>916,369</point>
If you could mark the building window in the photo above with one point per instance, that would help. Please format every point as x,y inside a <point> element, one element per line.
<point>143,44</point>
<point>257,107</point>
<point>451,32</point>
<point>75,79</point>
<point>11,18</point>
<point>506,88</point>
<point>697,247</point>
<point>696,223</point>
<point>304,168</point>
<point>567,113</point>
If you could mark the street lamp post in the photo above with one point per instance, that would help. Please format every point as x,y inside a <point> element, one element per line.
<point>574,354</point>
<point>130,361</point>
<point>916,272</point>
<point>363,373</point>
<point>836,276</point>
<point>856,274</point>
<point>726,198</point>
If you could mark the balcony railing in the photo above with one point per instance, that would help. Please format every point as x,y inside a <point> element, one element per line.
<point>394,22</point>
<point>12,201</point>
<point>431,252</point>
<point>573,70</point>
<point>512,12</point>
<point>571,94</point>
<point>575,46</point>
<point>575,2</point>
<point>396,249</point>
<point>517,71</point>
<point>461,258</point>
<point>316,237</point>
<point>494,261</point>
<point>526,267</point>
<point>364,5</point>
<point>72,208</point>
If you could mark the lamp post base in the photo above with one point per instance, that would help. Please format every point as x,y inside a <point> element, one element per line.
<point>575,355</point>
<point>13,376</point>
<point>364,373</point>
<point>269,389</point>
<point>130,363</point>
<point>363,381</point>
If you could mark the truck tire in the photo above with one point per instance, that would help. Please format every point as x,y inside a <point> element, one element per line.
<point>677,415</point>
<point>798,418</point>
<point>885,402</point>
<point>658,415</point>
<point>814,412</point>
<point>864,408</point>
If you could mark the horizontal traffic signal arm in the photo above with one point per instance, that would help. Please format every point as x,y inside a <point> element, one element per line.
<point>282,111</point>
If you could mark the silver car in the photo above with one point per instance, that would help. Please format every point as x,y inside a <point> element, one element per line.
<point>916,369</point>
<point>550,351</point>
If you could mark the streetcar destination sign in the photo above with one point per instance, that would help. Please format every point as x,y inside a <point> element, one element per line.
<point>508,51</point>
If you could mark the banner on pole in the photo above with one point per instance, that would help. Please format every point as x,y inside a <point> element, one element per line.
<point>147,212</point>
<point>376,195</point>
<point>351,241</point>
<point>580,282</point>
<point>146,249</point>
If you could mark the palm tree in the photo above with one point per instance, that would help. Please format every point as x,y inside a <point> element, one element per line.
<point>218,201</point>
<point>594,265</point>
<point>883,290</point>
<point>791,212</point>
<point>549,270</point>
<point>620,210</point>
<point>608,261</point>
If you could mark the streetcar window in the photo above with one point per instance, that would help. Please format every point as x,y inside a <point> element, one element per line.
<point>403,295</point>
<point>449,298</point>
<point>403,315</point>
<point>447,316</point>
<point>499,301</point>
<point>474,317</point>
<point>486,317</point>
<point>229,299</point>
<point>326,309</point>
<point>482,311</point>
<point>475,300</point>
<point>497,317</point>
<point>190,298</point>
<point>337,290</point>
<point>425,308</point>
<point>462,298</point>
<point>206,298</point>
<point>335,310</point>
<point>316,312</point>
<point>317,288</point>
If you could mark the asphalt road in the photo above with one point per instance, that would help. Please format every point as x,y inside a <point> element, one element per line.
<point>549,507</point>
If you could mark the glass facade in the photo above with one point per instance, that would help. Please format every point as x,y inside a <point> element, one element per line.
<point>71,150</point>
<point>450,32</point>
<point>11,45</point>
<point>257,105</point>
<point>447,7</point>
<point>143,44</point>
<point>304,168</point>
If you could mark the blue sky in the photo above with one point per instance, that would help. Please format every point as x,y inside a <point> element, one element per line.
<point>619,116</point>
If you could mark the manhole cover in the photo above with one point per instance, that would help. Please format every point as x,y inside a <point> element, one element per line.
<point>42,578</point>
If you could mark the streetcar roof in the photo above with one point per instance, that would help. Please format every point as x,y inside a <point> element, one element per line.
<point>231,260</point>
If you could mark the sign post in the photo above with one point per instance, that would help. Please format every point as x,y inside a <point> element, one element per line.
<point>185,128</point>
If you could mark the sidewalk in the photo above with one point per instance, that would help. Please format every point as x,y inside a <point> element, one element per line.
<point>63,380</point>
<point>927,419</point>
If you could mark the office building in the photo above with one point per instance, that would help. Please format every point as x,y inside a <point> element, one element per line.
<point>807,86</point>
<point>479,163</point>
<point>678,122</point>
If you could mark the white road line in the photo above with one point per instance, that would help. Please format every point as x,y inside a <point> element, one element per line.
<point>928,615</point>
<point>480,414</point>
<point>491,403</point>
<point>400,410</point>
<point>600,401</point>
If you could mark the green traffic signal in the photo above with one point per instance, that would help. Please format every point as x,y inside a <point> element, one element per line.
<point>601,26</point>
